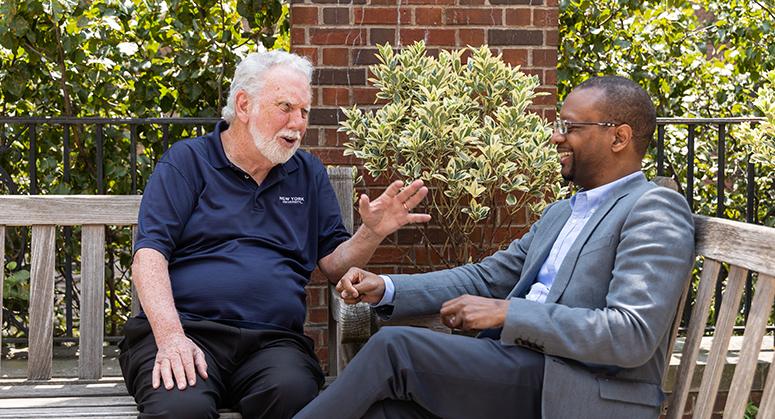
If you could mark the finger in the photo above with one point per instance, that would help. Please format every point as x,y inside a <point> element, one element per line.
<point>166,374</point>
<point>418,218</point>
<point>414,199</point>
<point>179,372</point>
<point>201,363</point>
<point>410,191</point>
<point>347,289</point>
<point>189,369</point>
<point>393,190</point>
<point>451,306</point>
<point>363,204</point>
<point>156,376</point>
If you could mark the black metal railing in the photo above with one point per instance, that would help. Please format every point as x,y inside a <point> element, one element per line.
<point>23,134</point>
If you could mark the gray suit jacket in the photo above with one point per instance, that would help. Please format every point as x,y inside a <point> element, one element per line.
<point>605,326</point>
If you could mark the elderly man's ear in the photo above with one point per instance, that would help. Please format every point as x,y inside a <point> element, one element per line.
<point>242,106</point>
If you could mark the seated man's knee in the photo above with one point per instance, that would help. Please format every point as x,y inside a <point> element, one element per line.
<point>281,398</point>
<point>189,404</point>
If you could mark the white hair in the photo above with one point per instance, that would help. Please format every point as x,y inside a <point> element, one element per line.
<point>249,75</point>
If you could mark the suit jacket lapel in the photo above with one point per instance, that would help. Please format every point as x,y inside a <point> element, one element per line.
<point>542,244</point>
<point>571,258</point>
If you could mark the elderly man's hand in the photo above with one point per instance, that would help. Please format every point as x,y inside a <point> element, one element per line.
<point>469,312</point>
<point>178,360</point>
<point>358,285</point>
<point>391,210</point>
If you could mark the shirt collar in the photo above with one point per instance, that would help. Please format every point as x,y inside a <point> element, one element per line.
<point>218,157</point>
<point>588,200</point>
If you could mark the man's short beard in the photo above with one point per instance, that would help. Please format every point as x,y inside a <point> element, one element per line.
<point>275,152</point>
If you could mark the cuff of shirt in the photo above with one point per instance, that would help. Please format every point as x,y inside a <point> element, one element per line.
<point>390,291</point>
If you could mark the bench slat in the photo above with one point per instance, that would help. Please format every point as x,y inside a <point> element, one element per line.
<point>725,321</point>
<point>747,245</point>
<point>2,279</point>
<point>694,334</point>
<point>41,328</point>
<point>92,301</point>
<point>68,210</point>
<point>63,388</point>
<point>767,405</point>
<point>755,329</point>
<point>76,401</point>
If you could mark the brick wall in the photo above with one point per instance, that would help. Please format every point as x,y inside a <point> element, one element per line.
<point>340,37</point>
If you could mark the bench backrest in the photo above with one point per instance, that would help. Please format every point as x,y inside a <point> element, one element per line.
<point>93,212</point>
<point>741,248</point>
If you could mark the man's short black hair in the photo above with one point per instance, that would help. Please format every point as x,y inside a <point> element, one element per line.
<point>624,102</point>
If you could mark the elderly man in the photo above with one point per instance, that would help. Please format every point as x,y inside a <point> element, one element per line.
<point>231,226</point>
<point>576,314</point>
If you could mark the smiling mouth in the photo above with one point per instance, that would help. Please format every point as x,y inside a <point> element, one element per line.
<point>565,155</point>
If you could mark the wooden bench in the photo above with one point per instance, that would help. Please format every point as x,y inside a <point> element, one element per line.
<point>90,394</point>
<point>738,247</point>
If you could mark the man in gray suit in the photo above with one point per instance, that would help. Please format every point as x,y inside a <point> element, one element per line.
<point>576,314</point>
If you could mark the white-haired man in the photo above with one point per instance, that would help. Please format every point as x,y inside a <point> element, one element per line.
<point>230,228</point>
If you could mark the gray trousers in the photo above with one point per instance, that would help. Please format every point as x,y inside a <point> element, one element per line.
<point>407,372</point>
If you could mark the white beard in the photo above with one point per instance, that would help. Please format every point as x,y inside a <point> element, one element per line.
<point>275,152</point>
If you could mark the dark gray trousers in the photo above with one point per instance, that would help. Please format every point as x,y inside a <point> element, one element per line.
<point>260,373</point>
<point>406,372</point>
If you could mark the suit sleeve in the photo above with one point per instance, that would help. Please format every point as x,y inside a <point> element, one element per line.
<point>653,259</point>
<point>494,277</point>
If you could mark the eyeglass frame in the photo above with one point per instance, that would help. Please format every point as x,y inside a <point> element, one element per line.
<point>561,125</point>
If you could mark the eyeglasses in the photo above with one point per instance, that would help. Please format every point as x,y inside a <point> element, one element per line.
<point>561,125</point>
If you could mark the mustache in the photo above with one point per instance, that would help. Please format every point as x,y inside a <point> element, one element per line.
<point>296,135</point>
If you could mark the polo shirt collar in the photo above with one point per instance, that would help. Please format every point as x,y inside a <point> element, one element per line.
<point>218,158</point>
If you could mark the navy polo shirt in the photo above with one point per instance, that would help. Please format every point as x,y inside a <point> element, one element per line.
<point>239,253</point>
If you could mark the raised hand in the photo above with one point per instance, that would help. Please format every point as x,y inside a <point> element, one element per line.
<point>178,360</point>
<point>358,285</point>
<point>392,210</point>
<point>470,312</point>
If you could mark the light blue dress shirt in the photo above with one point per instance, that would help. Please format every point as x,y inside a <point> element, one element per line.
<point>583,205</point>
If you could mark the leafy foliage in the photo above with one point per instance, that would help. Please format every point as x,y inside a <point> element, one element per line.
<point>464,130</point>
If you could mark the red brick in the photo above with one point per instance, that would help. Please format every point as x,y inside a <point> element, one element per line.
<point>550,99</point>
<point>336,15</point>
<point>550,77</point>
<point>380,36</point>
<point>317,277</point>
<point>317,314</point>
<point>336,57</point>
<point>332,137</point>
<point>298,36</point>
<point>518,17</point>
<point>383,2</point>
<point>304,15</point>
<point>316,296</point>
<point>381,15</point>
<point>309,52</point>
<point>515,37</point>
<point>336,96</point>
<point>552,38</point>
<point>334,156</point>
<point>319,36</point>
<point>445,37</point>
<point>388,254</point>
<point>552,2</point>
<point>546,17</point>
<point>473,37</point>
<point>515,56</point>
<point>364,95</point>
<point>428,16</point>
<point>450,2</point>
<point>471,2</point>
<point>550,114</point>
<point>470,16</point>
<point>544,57</point>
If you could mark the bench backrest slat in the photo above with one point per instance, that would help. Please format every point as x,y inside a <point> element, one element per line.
<point>725,321</point>
<point>767,406</point>
<point>691,351</point>
<point>743,247</point>
<point>68,210</point>
<point>2,280</point>
<point>752,341</point>
<point>92,301</point>
<point>41,327</point>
